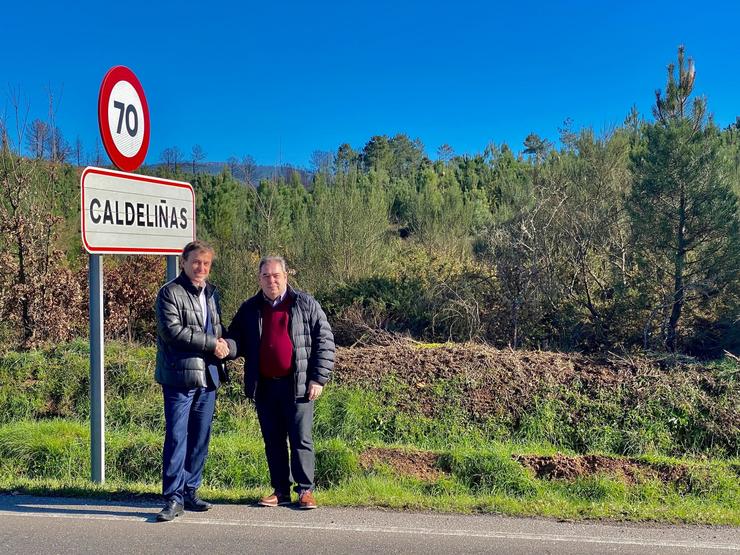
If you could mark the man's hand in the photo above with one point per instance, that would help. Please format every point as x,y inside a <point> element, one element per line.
<point>222,348</point>
<point>314,390</point>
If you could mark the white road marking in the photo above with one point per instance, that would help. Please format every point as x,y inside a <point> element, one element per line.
<point>393,530</point>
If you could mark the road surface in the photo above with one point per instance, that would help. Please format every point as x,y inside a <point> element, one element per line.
<point>62,525</point>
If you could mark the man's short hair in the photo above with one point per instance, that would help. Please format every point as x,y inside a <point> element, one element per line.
<point>197,245</point>
<point>266,259</point>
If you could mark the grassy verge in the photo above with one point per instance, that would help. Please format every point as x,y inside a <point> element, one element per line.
<point>543,398</point>
<point>53,457</point>
<point>463,423</point>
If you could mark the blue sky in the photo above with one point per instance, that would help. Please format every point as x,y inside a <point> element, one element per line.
<point>280,80</point>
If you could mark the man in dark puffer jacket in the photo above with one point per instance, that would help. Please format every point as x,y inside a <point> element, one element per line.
<point>190,349</point>
<point>288,351</point>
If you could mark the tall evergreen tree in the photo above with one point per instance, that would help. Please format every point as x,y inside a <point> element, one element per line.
<point>377,153</point>
<point>684,213</point>
<point>536,147</point>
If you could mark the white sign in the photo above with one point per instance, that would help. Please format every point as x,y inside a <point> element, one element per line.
<point>124,213</point>
<point>125,125</point>
<point>123,116</point>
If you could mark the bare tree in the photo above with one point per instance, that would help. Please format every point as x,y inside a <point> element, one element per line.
<point>21,109</point>
<point>78,151</point>
<point>55,140</point>
<point>61,150</point>
<point>176,156</point>
<point>40,299</point>
<point>4,139</point>
<point>166,157</point>
<point>321,161</point>
<point>38,139</point>
<point>171,156</point>
<point>198,155</point>
<point>249,167</point>
<point>97,158</point>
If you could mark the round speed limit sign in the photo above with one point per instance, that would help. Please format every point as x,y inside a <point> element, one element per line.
<point>123,116</point>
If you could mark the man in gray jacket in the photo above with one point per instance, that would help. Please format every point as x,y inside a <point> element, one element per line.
<point>190,349</point>
<point>288,351</point>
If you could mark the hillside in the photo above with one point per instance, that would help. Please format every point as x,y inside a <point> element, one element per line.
<point>259,172</point>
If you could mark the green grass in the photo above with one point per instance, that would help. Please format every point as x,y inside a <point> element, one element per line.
<point>53,458</point>
<point>657,413</point>
<point>406,494</point>
<point>667,420</point>
<point>489,471</point>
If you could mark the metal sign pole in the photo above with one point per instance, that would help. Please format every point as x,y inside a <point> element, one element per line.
<point>171,267</point>
<point>97,399</point>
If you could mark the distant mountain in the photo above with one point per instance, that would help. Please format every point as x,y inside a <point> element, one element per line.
<point>239,171</point>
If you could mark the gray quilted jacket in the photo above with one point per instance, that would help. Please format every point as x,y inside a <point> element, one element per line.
<point>183,346</point>
<point>313,341</point>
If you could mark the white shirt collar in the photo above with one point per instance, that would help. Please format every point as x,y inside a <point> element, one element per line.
<point>203,304</point>
<point>277,299</point>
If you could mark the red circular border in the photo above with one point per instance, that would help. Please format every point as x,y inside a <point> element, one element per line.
<point>122,162</point>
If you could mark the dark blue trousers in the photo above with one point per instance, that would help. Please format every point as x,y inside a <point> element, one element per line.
<point>188,416</point>
<point>286,420</point>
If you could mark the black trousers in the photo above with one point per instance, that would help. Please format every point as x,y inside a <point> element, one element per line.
<point>285,419</point>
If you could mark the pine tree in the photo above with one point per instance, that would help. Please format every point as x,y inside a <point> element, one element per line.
<point>684,212</point>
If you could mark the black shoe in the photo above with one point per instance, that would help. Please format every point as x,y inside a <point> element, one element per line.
<point>195,503</point>
<point>171,510</point>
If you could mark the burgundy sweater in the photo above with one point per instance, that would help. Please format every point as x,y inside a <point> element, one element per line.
<point>276,348</point>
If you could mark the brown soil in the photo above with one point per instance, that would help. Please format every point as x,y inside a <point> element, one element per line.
<point>563,467</point>
<point>417,464</point>
<point>503,383</point>
<point>486,382</point>
<point>424,466</point>
<point>494,382</point>
<point>494,379</point>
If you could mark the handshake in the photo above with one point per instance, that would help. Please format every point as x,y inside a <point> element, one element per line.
<point>222,348</point>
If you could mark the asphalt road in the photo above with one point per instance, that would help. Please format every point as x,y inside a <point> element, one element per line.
<point>62,525</point>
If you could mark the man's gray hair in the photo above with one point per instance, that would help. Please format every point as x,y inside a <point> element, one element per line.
<point>267,259</point>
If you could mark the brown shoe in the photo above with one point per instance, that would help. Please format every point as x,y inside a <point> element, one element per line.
<point>274,499</point>
<point>306,501</point>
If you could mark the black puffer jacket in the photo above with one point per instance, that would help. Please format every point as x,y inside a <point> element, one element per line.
<point>183,346</point>
<point>313,341</point>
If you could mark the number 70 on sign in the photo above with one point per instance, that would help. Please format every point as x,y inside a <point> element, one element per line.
<point>123,114</point>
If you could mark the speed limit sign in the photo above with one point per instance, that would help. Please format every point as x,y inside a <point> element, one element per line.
<point>123,116</point>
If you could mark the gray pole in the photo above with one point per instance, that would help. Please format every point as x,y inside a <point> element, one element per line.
<point>97,386</point>
<point>171,267</point>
